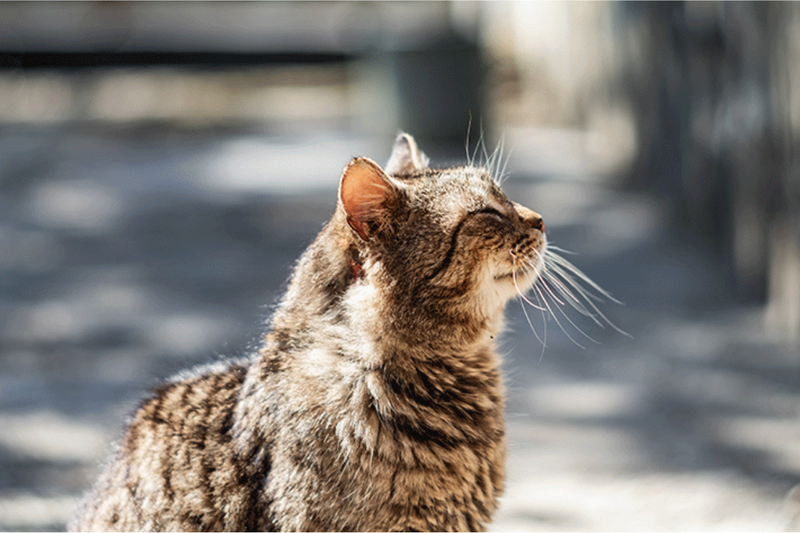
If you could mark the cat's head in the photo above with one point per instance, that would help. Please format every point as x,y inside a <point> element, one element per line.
<point>431,236</point>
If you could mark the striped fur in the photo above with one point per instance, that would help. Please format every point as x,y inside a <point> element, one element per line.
<point>375,402</point>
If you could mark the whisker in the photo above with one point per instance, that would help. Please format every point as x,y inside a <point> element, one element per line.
<point>498,162</point>
<point>568,295</point>
<point>553,248</point>
<point>539,270</point>
<point>588,297</point>
<point>503,173</point>
<point>544,331</point>
<point>480,146</point>
<point>575,304</point>
<point>567,279</point>
<point>562,283</point>
<point>542,340</point>
<point>483,147</point>
<point>558,283</point>
<point>516,285</point>
<point>495,163</point>
<point>551,293</point>
<point>533,329</point>
<point>566,316</point>
<point>559,266</point>
<point>477,148</point>
<point>555,317</point>
<point>470,160</point>
<point>549,290</point>
<point>575,270</point>
<point>494,159</point>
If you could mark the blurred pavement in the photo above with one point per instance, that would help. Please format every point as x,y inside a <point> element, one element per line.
<point>127,255</point>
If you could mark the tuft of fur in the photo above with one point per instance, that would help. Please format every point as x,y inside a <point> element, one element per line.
<point>375,401</point>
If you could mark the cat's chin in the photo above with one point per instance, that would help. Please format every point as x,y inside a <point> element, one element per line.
<point>522,279</point>
<point>501,277</point>
<point>516,285</point>
<point>506,286</point>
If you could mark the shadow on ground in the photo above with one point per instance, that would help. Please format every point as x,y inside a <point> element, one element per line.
<point>128,256</point>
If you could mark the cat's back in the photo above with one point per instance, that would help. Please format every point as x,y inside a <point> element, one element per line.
<point>176,467</point>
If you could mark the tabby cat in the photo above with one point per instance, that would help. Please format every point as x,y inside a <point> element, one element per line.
<point>375,402</point>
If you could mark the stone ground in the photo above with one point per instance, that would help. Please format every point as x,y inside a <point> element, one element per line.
<point>126,255</point>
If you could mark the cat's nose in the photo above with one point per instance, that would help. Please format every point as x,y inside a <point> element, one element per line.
<point>530,218</point>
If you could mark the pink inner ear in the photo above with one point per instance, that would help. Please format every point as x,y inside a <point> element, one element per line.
<point>363,191</point>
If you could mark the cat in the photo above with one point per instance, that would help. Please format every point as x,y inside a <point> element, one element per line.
<point>375,401</point>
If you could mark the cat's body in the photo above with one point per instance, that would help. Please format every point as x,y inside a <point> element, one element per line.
<point>376,401</point>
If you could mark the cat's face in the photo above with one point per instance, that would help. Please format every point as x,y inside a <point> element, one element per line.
<point>441,234</point>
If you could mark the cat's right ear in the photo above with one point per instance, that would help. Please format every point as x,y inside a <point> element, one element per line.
<point>365,191</point>
<point>406,156</point>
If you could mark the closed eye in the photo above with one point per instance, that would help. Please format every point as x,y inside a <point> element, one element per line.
<point>491,212</point>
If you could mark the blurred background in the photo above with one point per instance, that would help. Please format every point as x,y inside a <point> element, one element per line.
<point>162,166</point>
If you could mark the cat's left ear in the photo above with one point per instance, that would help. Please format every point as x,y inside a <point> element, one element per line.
<point>406,156</point>
<point>365,193</point>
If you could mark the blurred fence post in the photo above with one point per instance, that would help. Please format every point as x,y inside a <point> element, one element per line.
<point>713,88</point>
<point>440,89</point>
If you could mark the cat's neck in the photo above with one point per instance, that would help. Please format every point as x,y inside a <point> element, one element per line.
<point>417,331</point>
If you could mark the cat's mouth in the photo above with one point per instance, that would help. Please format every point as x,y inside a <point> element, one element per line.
<point>517,274</point>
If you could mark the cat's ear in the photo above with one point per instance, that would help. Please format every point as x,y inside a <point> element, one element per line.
<point>365,192</point>
<point>406,157</point>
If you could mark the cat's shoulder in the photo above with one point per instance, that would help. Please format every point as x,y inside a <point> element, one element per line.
<point>201,391</point>
<point>221,370</point>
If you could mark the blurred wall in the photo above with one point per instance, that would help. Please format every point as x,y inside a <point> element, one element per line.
<point>697,103</point>
<point>715,97</point>
<point>711,95</point>
<point>371,67</point>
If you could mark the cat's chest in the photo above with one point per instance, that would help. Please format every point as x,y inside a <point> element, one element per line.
<point>357,447</point>
<point>359,471</point>
<point>355,489</point>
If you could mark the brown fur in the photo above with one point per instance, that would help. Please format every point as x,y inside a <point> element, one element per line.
<point>376,401</point>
